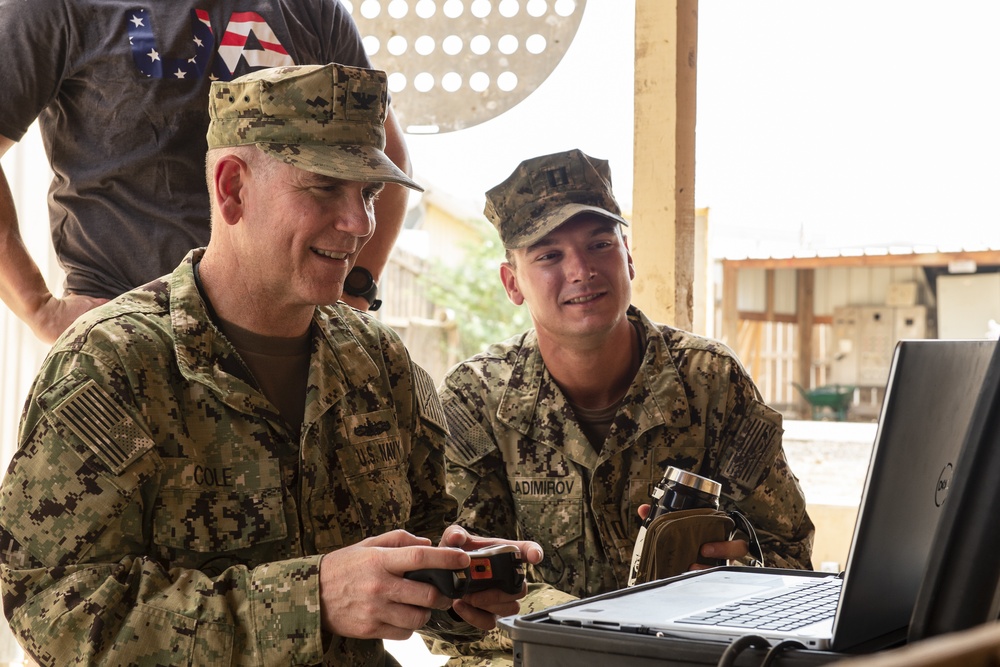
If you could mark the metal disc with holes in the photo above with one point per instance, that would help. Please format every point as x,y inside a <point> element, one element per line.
<point>457,63</point>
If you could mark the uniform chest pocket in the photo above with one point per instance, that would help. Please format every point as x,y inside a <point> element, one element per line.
<point>219,508</point>
<point>383,498</point>
<point>374,467</point>
<point>647,472</point>
<point>550,512</point>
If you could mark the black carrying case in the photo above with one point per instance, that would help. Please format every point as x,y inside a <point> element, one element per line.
<point>541,642</point>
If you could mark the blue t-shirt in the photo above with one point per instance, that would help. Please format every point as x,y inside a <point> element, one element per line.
<point>120,89</point>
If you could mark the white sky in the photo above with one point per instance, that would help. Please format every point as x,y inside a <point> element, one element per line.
<point>585,103</point>
<point>834,123</point>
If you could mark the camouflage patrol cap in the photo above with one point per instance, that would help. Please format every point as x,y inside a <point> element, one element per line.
<point>327,119</point>
<point>544,192</point>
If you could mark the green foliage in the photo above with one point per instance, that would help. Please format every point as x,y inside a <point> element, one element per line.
<point>473,292</point>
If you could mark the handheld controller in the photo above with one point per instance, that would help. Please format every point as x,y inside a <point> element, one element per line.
<point>498,566</point>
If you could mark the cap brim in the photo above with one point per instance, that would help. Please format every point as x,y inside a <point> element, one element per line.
<point>365,164</point>
<point>556,217</point>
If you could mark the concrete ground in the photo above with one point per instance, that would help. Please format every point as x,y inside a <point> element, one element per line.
<point>830,458</point>
<point>831,461</point>
<point>413,653</point>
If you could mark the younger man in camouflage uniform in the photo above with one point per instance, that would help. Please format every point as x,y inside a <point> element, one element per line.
<point>559,434</point>
<point>215,470</point>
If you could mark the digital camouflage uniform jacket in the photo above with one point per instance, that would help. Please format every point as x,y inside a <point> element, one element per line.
<point>520,466</point>
<point>159,511</point>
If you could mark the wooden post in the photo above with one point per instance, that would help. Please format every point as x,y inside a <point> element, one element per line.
<point>663,230</point>
<point>730,307</point>
<point>805,288</point>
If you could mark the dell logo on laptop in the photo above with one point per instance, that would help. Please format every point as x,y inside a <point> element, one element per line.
<point>943,484</point>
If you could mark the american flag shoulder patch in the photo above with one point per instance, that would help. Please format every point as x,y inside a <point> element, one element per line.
<point>427,398</point>
<point>467,441</point>
<point>98,420</point>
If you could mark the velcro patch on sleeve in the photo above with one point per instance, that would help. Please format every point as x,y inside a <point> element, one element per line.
<point>749,458</point>
<point>428,402</point>
<point>467,440</point>
<point>99,421</point>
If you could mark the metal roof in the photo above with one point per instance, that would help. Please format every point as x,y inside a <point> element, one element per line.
<point>889,255</point>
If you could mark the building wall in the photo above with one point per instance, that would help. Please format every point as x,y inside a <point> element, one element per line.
<point>858,315</point>
<point>969,305</point>
<point>835,287</point>
<point>445,233</point>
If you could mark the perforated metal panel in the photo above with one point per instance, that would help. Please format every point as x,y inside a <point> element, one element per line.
<point>456,63</point>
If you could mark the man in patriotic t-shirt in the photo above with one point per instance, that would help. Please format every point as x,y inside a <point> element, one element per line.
<point>119,90</point>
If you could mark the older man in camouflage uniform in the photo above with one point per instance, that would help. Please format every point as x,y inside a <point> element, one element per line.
<point>559,434</point>
<point>212,468</point>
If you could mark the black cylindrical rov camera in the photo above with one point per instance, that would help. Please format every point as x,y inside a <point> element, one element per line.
<point>678,490</point>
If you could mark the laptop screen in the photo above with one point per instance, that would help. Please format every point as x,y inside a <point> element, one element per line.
<point>961,586</point>
<point>930,397</point>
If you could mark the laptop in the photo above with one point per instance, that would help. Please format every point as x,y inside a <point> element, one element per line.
<point>929,399</point>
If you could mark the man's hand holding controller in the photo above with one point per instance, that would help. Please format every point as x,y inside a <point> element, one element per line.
<point>498,566</point>
<point>496,575</point>
<point>364,590</point>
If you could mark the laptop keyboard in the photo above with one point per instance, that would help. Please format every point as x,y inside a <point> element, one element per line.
<point>810,602</point>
